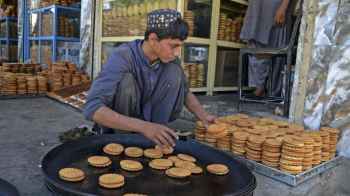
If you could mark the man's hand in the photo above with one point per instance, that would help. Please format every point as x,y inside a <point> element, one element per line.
<point>280,16</point>
<point>208,119</point>
<point>160,134</point>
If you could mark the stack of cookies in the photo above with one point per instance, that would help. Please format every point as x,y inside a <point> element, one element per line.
<point>21,85</point>
<point>193,75</point>
<point>228,29</point>
<point>292,155</point>
<point>199,132</point>
<point>317,149</point>
<point>67,79</point>
<point>333,139</point>
<point>271,153</point>
<point>239,140</point>
<point>57,82</point>
<point>221,30</point>
<point>214,132</point>
<point>9,85</point>
<point>189,18</point>
<point>32,85</point>
<point>325,145</point>
<point>224,143</point>
<point>85,78</point>
<point>210,140</point>
<point>42,84</point>
<point>254,148</point>
<point>309,151</point>
<point>201,75</point>
<point>76,79</point>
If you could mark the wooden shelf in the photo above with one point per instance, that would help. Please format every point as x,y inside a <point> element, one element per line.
<point>243,2</point>
<point>121,38</point>
<point>225,88</point>
<point>236,7</point>
<point>229,44</point>
<point>197,40</point>
<point>197,90</point>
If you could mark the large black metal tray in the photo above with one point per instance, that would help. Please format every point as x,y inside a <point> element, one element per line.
<point>240,181</point>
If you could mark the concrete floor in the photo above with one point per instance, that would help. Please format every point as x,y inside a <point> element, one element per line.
<point>30,127</point>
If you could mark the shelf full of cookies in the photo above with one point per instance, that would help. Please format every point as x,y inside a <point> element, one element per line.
<point>122,21</point>
<point>51,25</point>
<point>230,22</point>
<point>8,33</point>
<point>23,80</point>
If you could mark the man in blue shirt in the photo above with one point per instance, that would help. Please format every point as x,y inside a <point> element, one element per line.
<point>142,85</point>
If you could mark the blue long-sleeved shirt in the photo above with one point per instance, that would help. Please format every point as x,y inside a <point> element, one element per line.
<point>127,58</point>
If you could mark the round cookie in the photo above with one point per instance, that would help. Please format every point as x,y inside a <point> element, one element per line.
<point>216,128</point>
<point>273,143</point>
<point>133,152</point>
<point>165,149</point>
<point>291,169</point>
<point>161,164</point>
<point>131,165</point>
<point>153,153</point>
<point>253,157</point>
<point>218,169</point>
<point>99,161</point>
<point>71,174</point>
<point>176,172</point>
<point>113,149</point>
<point>111,180</point>
<point>271,154</point>
<point>197,170</point>
<point>186,157</point>
<point>185,164</point>
<point>270,164</point>
<point>174,158</point>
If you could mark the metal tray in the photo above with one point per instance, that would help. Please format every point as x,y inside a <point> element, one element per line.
<point>292,180</point>
<point>239,182</point>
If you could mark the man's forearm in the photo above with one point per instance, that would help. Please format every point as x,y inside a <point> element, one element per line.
<point>284,4</point>
<point>109,118</point>
<point>194,106</point>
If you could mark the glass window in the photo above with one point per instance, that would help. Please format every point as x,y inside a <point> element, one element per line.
<point>46,52</point>
<point>198,16</point>
<point>230,21</point>
<point>226,73</point>
<point>195,64</point>
<point>129,18</point>
<point>68,51</point>
<point>34,51</point>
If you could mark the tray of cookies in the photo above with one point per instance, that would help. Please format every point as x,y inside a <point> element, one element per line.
<point>121,164</point>
<point>281,150</point>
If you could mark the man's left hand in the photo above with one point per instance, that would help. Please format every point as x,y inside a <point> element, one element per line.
<point>208,119</point>
<point>280,16</point>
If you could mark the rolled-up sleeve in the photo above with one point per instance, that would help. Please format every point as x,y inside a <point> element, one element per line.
<point>103,88</point>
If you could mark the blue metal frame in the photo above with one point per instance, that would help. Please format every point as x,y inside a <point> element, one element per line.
<point>7,39</point>
<point>54,9</point>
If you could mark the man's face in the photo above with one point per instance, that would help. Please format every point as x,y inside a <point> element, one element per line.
<point>167,49</point>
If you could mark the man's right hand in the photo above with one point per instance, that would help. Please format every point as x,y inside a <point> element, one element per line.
<point>159,134</point>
